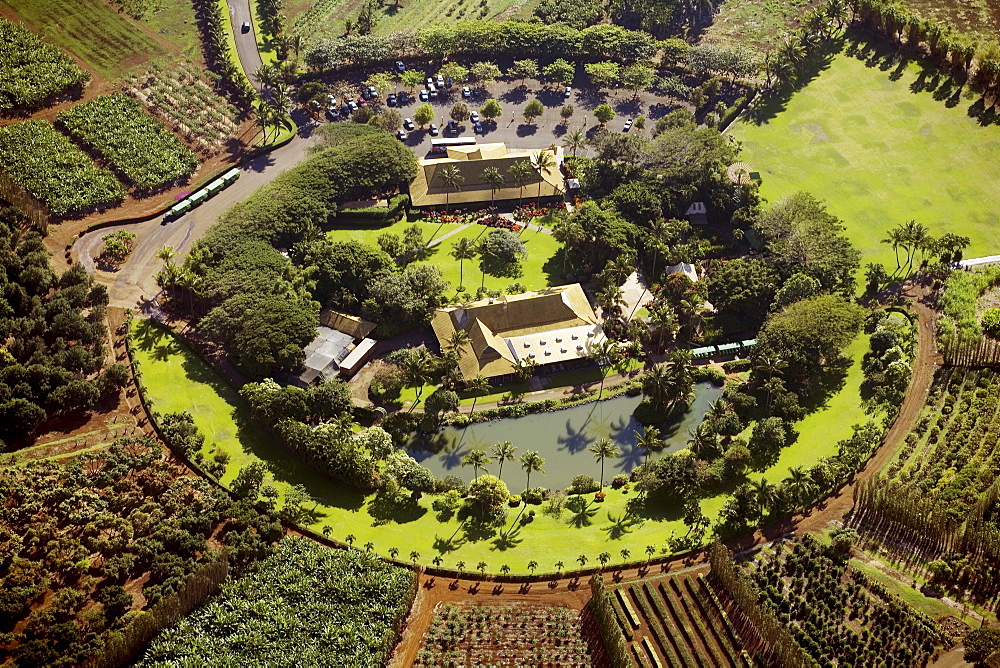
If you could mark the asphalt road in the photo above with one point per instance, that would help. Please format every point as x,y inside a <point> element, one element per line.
<point>246,42</point>
<point>135,282</point>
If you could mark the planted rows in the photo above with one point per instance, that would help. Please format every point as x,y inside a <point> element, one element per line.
<point>836,614</point>
<point>31,71</point>
<point>134,144</point>
<point>685,622</point>
<point>495,635</point>
<point>304,605</point>
<point>184,99</point>
<point>43,162</point>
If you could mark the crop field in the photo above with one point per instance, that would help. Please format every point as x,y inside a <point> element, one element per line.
<point>880,155</point>
<point>495,635</point>
<point>326,17</point>
<point>835,611</point>
<point>133,143</point>
<point>54,171</point>
<point>32,71</point>
<point>679,620</point>
<point>94,32</point>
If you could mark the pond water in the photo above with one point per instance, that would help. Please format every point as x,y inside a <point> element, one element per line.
<point>562,438</point>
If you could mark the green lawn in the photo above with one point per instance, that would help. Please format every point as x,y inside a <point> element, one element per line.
<point>176,380</point>
<point>93,31</point>
<point>541,269</point>
<point>880,155</point>
<point>820,431</point>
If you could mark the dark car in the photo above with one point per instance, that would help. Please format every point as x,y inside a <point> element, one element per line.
<point>434,130</point>
<point>402,98</point>
<point>452,125</point>
<point>400,67</point>
<point>478,127</point>
<point>245,27</point>
<point>408,124</point>
<point>391,100</point>
<point>344,110</point>
<point>372,92</point>
<point>449,83</point>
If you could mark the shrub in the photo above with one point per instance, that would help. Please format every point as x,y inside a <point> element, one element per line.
<point>619,481</point>
<point>515,501</point>
<point>583,484</point>
<point>735,366</point>
<point>991,322</point>
<point>533,496</point>
<point>704,374</point>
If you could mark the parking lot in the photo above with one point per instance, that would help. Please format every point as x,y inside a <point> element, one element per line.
<point>511,128</point>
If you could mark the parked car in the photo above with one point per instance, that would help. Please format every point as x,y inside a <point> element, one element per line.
<point>439,81</point>
<point>331,100</point>
<point>424,95</point>
<point>466,92</point>
<point>391,100</point>
<point>400,135</point>
<point>449,83</point>
<point>408,123</point>
<point>351,104</point>
<point>474,116</point>
<point>400,67</point>
<point>478,127</point>
<point>245,27</point>
<point>434,130</point>
<point>403,98</point>
<point>567,92</point>
<point>332,113</point>
<point>344,110</point>
<point>429,81</point>
<point>372,92</point>
<point>434,94</point>
<point>628,125</point>
<point>362,102</point>
<point>452,125</point>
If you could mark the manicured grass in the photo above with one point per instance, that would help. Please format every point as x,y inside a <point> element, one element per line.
<point>109,42</point>
<point>820,431</point>
<point>177,380</point>
<point>541,269</point>
<point>881,155</point>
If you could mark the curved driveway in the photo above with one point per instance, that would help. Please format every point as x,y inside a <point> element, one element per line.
<point>136,281</point>
<point>246,42</point>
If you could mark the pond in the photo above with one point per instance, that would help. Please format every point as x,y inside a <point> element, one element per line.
<point>561,438</point>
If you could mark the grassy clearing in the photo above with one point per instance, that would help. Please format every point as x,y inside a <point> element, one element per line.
<point>757,22</point>
<point>175,20</point>
<point>541,269</point>
<point>820,431</point>
<point>94,32</point>
<point>880,155</point>
<point>178,380</point>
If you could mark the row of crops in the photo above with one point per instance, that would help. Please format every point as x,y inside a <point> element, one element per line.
<point>303,606</point>
<point>133,143</point>
<point>504,635</point>
<point>184,98</point>
<point>31,71</point>
<point>837,615</point>
<point>51,169</point>
<point>678,621</point>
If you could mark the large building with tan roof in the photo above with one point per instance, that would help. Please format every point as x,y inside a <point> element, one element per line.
<point>553,328</point>
<point>428,188</point>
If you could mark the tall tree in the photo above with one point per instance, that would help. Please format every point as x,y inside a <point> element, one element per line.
<point>452,178</point>
<point>601,450</point>
<point>477,459</point>
<point>494,179</point>
<point>532,462</point>
<point>462,250</point>
<point>503,452</point>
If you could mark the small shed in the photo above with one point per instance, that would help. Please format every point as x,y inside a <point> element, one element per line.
<point>697,214</point>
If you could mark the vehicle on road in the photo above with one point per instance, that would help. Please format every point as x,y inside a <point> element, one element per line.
<point>567,92</point>
<point>474,116</point>
<point>628,125</point>
<point>434,130</point>
<point>400,67</point>
<point>245,28</point>
<point>466,92</point>
<point>408,124</point>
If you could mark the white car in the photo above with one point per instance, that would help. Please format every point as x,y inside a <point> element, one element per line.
<point>628,125</point>
<point>408,123</point>
<point>434,130</point>
<point>567,92</point>
<point>466,92</point>
<point>474,116</point>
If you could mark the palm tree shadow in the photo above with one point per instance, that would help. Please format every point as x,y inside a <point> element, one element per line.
<point>622,526</point>
<point>582,513</point>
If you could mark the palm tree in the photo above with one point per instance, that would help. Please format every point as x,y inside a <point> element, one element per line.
<point>648,440</point>
<point>611,300</point>
<point>457,341</point>
<point>800,484</point>
<point>477,385</point>
<point>650,551</point>
<point>606,353</point>
<point>532,565</point>
<point>393,552</point>
<point>453,179</point>
<point>895,239</point>
<point>521,171</point>
<point>765,494</point>
<point>462,250</point>
<point>604,558</point>
<point>532,462</point>
<point>582,559</point>
<point>503,452</point>
<point>369,546</point>
<point>626,553</point>
<point>267,75</point>
<point>559,566</point>
<point>569,233</point>
<point>349,539</point>
<point>476,458</point>
<point>602,449</point>
<point>543,162</point>
<point>494,179</point>
<point>416,372</point>
<point>574,141</point>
